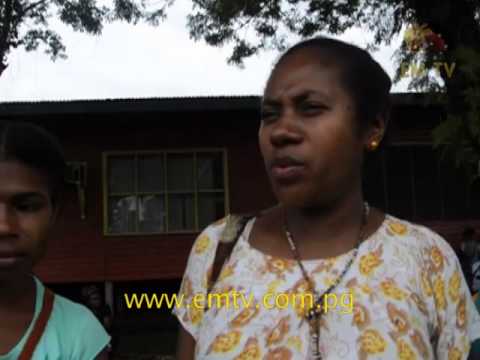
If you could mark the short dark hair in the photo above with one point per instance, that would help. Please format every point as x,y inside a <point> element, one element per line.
<point>36,148</point>
<point>362,77</point>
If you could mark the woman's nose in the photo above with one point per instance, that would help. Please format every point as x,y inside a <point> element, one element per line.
<point>286,131</point>
<point>7,223</point>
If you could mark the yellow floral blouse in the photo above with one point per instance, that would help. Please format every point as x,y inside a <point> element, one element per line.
<point>409,300</point>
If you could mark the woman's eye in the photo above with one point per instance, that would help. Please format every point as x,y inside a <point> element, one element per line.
<point>312,108</point>
<point>268,116</point>
<point>29,206</point>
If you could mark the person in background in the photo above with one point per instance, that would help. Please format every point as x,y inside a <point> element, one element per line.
<point>93,299</point>
<point>35,323</point>
<point>475,352</point>
<point>467,254</point>
<point>476,265</point>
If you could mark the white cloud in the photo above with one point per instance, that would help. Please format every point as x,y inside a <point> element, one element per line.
<point>142,61</point>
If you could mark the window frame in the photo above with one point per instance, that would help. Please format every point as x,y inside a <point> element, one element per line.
<point>410,145</point>
<point>164,152</point>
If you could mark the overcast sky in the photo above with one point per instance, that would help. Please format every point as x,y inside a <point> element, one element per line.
<point>141,61</point>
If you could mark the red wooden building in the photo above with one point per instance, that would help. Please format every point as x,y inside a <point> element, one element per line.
<point>151,173</point>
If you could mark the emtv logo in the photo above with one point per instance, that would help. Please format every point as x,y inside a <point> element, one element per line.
<point>422,38</point>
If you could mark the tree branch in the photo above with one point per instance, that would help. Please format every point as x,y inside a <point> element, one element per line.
<point>33,6</point>
<point>5,30</point>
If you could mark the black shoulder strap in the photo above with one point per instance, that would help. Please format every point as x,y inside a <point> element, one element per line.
<point>235,224</point>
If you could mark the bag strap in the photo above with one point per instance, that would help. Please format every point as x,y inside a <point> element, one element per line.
<point>235,224</point>
<point>39,326</point>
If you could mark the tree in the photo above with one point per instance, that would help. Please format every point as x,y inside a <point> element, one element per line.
<point>449,32</point>
<point>24,23</point>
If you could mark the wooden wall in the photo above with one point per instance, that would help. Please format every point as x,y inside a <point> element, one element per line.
<point>78,252</point>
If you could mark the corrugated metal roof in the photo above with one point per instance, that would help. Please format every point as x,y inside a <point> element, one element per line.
<point>174,104</point>
<point>130,105</point>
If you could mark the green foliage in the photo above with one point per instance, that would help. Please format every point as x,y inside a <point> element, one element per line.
<point>459,134</point>
<point>24,23</point>
<point>253,26</point>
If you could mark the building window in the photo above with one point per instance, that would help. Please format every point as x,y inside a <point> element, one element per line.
<point>427,183</point>
<point>163,192</point>
<point>412,182</point>
<point>400,193</point>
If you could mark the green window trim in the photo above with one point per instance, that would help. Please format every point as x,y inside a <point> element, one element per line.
<point>196,192</point>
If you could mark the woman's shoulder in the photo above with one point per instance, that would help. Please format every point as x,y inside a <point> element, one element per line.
<point>224,230</point>
<point>70,317</point>
<point>209,238</point>
<point>86,333</point>
<point>72,330</point>
<point>66,310</point>
<point>414,235</point>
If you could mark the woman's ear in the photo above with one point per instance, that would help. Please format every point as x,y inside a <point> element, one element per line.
<point>376,132</point>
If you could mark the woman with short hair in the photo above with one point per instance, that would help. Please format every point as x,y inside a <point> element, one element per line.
<point>325,106</point>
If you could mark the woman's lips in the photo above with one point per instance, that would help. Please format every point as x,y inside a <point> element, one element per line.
<point>288,173</point>
<point>10,260</point>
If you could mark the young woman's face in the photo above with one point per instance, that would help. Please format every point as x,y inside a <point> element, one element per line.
<point>308,134</point>
<point>26,216</point>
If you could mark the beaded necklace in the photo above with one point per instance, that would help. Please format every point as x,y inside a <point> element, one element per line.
<point>314,314</point>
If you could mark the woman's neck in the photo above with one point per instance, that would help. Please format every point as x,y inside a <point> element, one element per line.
<point>17,291</point>
<point>332,229</point>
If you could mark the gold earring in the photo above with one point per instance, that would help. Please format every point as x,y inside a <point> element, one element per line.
<point>373,145</point>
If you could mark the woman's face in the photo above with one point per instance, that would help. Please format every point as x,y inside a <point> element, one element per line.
<point>92,296</point>
<point>308,134</point>
<point>26,216</point>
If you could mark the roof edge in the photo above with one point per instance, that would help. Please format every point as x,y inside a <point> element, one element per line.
<point>173,104</point>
